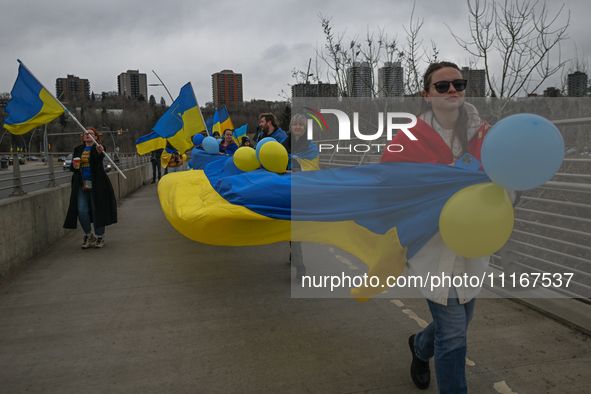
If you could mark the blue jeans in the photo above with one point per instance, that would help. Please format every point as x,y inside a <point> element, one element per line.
<point>85,207</point>
<point>445,339</point>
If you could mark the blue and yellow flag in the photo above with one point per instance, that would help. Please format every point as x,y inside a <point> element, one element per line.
<point>149,142</point>
<point>182,120</point>
<point>216,126</point>
<point>224,120</point>
<point>239,133</point>
<point>382,213</point>
<point>30,104</point>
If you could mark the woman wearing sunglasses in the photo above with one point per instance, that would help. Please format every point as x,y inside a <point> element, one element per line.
<point>447,128</point>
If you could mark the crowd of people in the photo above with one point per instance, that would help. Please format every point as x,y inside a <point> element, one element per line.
<point>454,127</point>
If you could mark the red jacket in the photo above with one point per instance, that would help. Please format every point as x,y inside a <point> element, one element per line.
<point>429,147</point>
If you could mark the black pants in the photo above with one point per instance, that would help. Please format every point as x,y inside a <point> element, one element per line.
<point>156,164</point>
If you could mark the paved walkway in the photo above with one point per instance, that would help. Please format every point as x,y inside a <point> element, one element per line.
<point>154,312</point>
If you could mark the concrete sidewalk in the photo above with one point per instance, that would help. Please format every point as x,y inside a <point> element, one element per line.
<point>154,312</point>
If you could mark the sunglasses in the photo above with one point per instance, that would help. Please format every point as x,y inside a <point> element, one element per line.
<point>443,86</point>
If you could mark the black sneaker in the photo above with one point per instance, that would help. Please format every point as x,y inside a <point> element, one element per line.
<point>419,370</point>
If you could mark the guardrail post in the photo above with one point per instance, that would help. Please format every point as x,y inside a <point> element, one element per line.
<point>52,182</point>
<point>17,182</point>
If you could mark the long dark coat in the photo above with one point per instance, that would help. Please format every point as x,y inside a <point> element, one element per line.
<point>105,204</point>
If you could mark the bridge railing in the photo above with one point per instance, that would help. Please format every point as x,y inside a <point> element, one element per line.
<point>52,172</point>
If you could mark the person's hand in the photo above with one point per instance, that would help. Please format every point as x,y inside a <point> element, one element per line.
<point>100,149</point>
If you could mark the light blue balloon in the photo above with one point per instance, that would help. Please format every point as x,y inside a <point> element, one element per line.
<point>522,152</point>
<point>198,139</point>
<point>260,145</point>
<point>211,145</point>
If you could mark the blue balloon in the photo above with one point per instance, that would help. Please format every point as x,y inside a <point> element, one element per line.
<point>198,139</point>
<point>211,145</point>
<point>189,166</point>
<point>522,152</point>
<point>260,144</point>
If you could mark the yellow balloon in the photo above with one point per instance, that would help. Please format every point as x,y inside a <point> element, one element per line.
<point>477,220</point>
<point>274,157</point>
<point>245,159</point>
<point>184,157</point>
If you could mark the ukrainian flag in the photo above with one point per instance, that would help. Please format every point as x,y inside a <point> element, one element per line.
<point>216,126</point>
<point>149,142</point>
<point>239,133</point>
<point>382,213</point>
<point>30,104</point>
<point>182,120</point>
<point>224,121</point>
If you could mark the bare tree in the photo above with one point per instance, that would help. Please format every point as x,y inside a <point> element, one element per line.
<point>340,54</point>
<point>578,63</point>
<point>522,35</point>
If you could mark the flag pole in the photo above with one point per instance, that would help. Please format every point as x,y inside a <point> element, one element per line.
<point>72,116</point>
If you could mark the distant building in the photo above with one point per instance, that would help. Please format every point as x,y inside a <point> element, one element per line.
<point>315,90</point>
<point>133,84</point>
<point>360,80</point>
<point>476,82</point>
<point>391,80</point>
<point>71,87</point>
<point>577,84</point>
<point>227,88</point>
<point>552,92</point>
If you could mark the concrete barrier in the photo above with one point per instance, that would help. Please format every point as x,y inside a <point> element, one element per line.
<point>32,223</point>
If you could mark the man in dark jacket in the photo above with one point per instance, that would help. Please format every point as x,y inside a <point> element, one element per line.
<point>155,159</point>
<point>268,128</point>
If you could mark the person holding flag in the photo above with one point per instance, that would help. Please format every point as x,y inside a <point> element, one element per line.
<point>447,129</point>
<point>92,199</point>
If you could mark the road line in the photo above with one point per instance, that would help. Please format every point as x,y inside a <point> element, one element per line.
<point>503,388</point>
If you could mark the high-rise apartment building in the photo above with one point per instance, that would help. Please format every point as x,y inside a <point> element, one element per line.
<point>476,82</point>
<point>133,84</point>
<point>391,80</point>
<point>227,88</point>
<point>360,80</point>
<point>71,87</point>
<point>577,84</point>
<point>315,90</point>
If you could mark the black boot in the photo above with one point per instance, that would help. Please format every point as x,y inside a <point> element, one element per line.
<point>419,370</point>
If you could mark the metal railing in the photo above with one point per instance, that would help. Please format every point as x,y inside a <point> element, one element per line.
<point>47,174</point>
<point>552,232</point>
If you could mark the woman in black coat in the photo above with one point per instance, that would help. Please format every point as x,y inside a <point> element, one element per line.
<point>92,199</point>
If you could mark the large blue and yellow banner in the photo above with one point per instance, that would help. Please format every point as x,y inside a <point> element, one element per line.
<point>182,120</point>
<point>30,105</point>
<point>381,213</point>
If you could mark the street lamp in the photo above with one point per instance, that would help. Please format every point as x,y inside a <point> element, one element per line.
<point>161,84</point>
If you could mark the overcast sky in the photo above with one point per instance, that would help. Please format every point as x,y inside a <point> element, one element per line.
<point>189,40</point>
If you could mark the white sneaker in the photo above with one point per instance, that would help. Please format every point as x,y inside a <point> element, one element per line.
<point>89,241</point>
<point>100,242</point>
